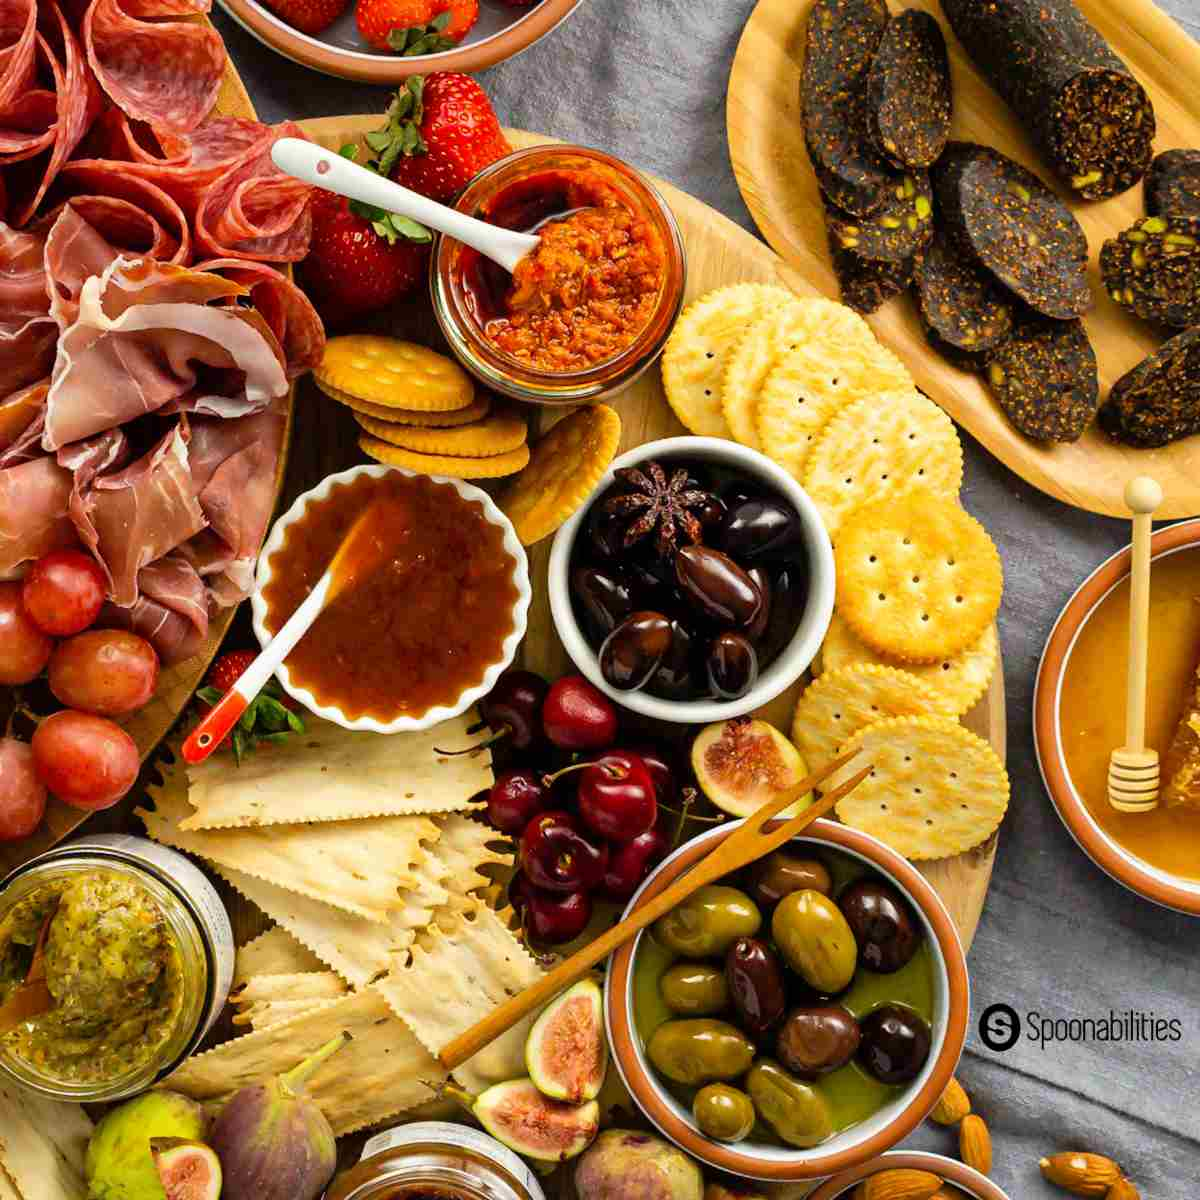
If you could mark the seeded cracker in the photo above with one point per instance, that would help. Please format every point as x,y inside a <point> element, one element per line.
<point>1173,184</point>
<point>837,363</point>
<point>935,790</point>
<point>275,952</point>
<point>475,411</point>
<point>394,374</point>
<point>918,579</point>
<point>908,90</point>
<point>840,42</point>
<point>1046,379</point>
<point>959,681</point>
<point>498,434</point>
<point>454,466</point>
<point>1015,226</point>
<point>698,350</point>
<point>883,445</point>
<point>837,705</point>
<point>1153,270</point>
<point>1159,400</point>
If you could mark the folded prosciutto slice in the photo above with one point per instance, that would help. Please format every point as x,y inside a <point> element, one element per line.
<point>21,410</point>
<point>27,331</point>
<point>146,335</point>
<point>171,611</point>
<point>34,498</point>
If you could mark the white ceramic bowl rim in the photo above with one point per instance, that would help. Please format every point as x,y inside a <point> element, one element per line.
<point>792,661</point>
<point>440,713</point>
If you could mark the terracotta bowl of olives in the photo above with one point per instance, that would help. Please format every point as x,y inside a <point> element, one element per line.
<point>697,584</point>
<point>798,1018</point>
<point>966,1180</point>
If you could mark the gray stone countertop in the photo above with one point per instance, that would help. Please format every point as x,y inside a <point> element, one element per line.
<point>647,81</point>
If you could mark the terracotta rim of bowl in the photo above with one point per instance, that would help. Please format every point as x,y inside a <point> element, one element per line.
<point>950,1170</point>
<point>367,66</point>
<point>726,1158</point>
<point>1098,846</point>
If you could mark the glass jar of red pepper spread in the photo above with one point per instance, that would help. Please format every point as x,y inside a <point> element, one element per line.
<point>586,312</point>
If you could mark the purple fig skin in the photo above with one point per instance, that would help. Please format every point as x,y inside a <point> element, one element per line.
<point>272,1140</point>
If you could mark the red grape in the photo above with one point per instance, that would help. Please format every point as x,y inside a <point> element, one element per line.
<point>104,671</point>
<point>87,761</point>
<point>24,648</point>
<point>22,793</point>
<point>63,592</point>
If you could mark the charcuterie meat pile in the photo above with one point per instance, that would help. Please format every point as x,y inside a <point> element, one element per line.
<point>147,341</point>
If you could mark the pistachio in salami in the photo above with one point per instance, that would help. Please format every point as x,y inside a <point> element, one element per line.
<point>1173,184</point>
<point>1045,379</point>
<point>1091,119</point>
<point>1158,402</point>
<point>840,44</point>
<point>965,313</point>
<point>908,91</point>
<point>1153,270</point>
<point>895,232</point>
<point>1015,226</point>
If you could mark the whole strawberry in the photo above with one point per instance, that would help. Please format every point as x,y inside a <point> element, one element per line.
<point>309,16</point>
<point>412,27</point>
<point>271,716</point>
<point>440,133</point>
<point>360,261</point>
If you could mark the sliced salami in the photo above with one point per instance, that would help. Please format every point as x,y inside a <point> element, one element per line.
<point>18,32</point>
<point>99,177</point>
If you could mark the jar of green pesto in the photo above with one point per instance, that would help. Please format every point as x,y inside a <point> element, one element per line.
<point>138,963</point>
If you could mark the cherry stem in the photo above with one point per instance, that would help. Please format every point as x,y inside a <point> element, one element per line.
<point>609,769</point>
<point>498,736</point>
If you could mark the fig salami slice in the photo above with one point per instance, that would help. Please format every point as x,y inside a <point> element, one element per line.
<point>1153,270</point>
<point>1045,378</point>
<point>895,232</point>
<point>1016,227</point>
<point>867,285</point>
<point>840,44</point>
<point>1159,400</point>
<point>965,313</point>
<point>1091,119</point>
<point>908,91</point>
<point>1173,184</point>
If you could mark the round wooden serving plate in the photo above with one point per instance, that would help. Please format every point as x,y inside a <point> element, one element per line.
<point>766,142</point>
<point>149,725</point>
<point>719,252</point>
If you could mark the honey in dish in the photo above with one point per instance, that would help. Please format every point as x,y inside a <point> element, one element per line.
<point>1092,709</point>
<point>426,611</point>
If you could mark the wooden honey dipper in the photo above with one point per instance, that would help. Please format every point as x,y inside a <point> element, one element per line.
<point>1133,768</point>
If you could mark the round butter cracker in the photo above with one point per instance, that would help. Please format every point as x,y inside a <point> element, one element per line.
<point>475,411</point>
<point>750,362</point>
<point>394,374</point>
<point>455,466</point>
<point>498,434</point>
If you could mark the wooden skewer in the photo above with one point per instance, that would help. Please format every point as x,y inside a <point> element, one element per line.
<point>746,844</point>
<point>1133,768</point>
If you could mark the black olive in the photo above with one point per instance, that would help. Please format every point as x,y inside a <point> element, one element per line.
<point>759,528</point>
<point>632,652</point>
<point>895,1044</point>
<point>732,666</point>
<point>603,596</point>
<point>882,924</point>
<point>717,586</point>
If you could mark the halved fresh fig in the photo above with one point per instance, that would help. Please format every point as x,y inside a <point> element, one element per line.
<point>518,1115</point>
<point>188,1170</point>
<point>741,764</point>
<point>566,1054</point>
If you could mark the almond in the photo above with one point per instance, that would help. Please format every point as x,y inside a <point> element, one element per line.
<point>975,1144</point>
<point>1123,1189</point>
<point>1083,1174</point>
<point>900,1184</point>
<point>953,1106</point>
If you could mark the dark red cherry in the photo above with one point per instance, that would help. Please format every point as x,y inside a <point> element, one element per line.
<point>556,855</point>
<point>629,864</point>
<point>514,799</point>
<point>616,795</point>
<point>576,715</point>
<point>551,918</point>
<point>662,770</point>
<point>514,706</point>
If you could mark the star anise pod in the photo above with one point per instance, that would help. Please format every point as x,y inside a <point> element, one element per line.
<point>659,505</point>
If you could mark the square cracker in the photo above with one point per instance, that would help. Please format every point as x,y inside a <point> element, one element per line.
<point>335,774</point>
<point>275,952</point>
<point>42,1145</point>
<point>262,1014</point>
<point>455,977</point>
<point>305,985</point>
<point>381,1071</point>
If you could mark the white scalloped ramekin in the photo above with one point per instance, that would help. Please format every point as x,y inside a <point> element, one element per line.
<point>440,713</point>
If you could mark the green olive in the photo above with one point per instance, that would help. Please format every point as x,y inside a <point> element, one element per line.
<point>698,1052</point>
<point>708,922</point>
<point>815,939</point>
<point>723,1113</point>
<point>694,989</point>
<point>796,1111</point>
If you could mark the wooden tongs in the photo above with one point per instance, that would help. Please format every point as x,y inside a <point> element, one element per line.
<point>748,843</point>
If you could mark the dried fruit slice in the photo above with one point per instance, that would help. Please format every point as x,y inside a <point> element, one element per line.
<point>741,764</point>
<point>566,1053</point>
<point>518,1115</point>
<point>187,1170</point>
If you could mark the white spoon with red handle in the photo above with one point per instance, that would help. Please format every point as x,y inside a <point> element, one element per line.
<point>361,551</point>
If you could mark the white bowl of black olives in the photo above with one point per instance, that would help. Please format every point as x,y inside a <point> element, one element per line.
<point>796,1019</point>
<point>697,584</point>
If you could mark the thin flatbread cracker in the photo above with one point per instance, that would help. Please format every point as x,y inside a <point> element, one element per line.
<point>837,705</point>
<point>881,446</point>
<point>463,848</point>
<point>275,952</point>
<point>335,774</point>
<point>309,985</point>
<point>456,976</point>
<point>935,789</point>
<point>359,866</point>
<point>959,680</point>
<point>382,1071</point>
<point>42,1145</point>
<point>262,1014</point>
